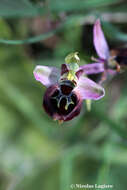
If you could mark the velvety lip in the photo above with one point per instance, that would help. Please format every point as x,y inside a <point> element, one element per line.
<point>55,113</point>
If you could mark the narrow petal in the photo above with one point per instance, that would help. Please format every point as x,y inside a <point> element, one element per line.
<point>79,73</point>
<point>92,68</point>
<point>64,69</point>
<point>100,42</point>
<point>89,89</point>
<point>46,75</point>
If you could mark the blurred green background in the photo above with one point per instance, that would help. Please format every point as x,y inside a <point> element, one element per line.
<point>35,152</point>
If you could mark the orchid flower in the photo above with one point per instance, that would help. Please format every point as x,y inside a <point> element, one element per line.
<point>68,87</point>
<point>106,57</point>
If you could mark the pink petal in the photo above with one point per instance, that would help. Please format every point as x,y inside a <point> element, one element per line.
<point>89,89</point>
<point>46,75</point>
<point>92,68</point>
<point>100,42</point>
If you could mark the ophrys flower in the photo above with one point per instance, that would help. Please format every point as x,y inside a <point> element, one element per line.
<point>67,87</point>
<point>112,60</point>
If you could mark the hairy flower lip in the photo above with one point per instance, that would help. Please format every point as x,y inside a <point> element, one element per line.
<point>75,112</point>
<point>46,100</point>
<point>54,113</point>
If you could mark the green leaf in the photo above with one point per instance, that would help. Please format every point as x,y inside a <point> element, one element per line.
<point>74,5</point>
<point>66,171</point>
<point>5,31</point>
<point>32,39</point>
<point>114,33</point>
<point>118,127</point>
<point>17,8</point>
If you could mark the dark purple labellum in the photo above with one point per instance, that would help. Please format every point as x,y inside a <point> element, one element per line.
<point>66,87</point>
<point>60,102</point>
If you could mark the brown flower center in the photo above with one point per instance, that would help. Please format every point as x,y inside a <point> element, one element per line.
<point>63,99</point>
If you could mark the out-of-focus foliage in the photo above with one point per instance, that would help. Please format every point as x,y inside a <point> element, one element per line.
<point>35,152</point>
